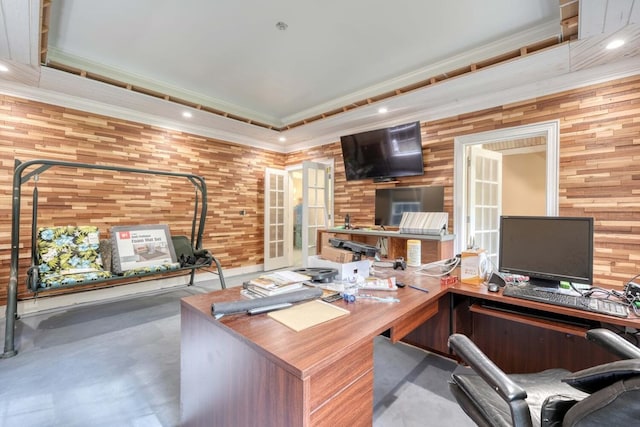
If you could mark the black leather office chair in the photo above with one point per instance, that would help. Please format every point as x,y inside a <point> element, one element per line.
<point>604,395</point>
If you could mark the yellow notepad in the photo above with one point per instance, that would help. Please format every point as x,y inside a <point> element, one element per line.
<point>303,316</point>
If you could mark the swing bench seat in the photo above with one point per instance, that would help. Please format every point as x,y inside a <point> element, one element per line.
<point>71,255</point>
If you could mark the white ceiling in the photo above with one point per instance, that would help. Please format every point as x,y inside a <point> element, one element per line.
<point>230,56</point>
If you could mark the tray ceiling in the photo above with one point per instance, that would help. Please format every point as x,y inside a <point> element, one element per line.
<point>326,74</point>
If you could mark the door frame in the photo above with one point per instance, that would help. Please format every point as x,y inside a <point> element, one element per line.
<point>550,130</point>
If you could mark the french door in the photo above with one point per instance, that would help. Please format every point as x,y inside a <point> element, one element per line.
<point>317,212</point>
<point>276,218</point>
<point>317,204</point>
<point>485,200</point>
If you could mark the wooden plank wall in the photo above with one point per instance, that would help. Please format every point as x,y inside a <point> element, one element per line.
<point>234,175</point>
<point>599,166</point>
<point>599,173</point>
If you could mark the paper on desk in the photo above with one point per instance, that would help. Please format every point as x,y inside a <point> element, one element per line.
<point>308,314</point>
<point>377,284</point>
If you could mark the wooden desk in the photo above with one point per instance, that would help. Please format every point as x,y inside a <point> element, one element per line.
<point>251,370</point>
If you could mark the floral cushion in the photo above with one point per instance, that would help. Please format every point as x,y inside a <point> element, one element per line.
<point>69,255</point>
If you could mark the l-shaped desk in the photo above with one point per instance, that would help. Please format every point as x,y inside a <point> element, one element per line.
<point>246,370</point>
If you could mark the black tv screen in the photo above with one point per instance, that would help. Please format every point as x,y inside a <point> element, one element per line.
<point>391,203</point>
<point>383,154</point>
<point>547,249</point>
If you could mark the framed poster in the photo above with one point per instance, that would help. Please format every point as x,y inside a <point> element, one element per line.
<point>139,246</point>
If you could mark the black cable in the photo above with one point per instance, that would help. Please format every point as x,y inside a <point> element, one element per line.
<point>596,289</point>
<point>586,293</point>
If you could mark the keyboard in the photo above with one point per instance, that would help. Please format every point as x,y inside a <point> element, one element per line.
<point>596,305</point>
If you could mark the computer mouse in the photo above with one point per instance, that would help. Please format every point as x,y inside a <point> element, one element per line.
<point>493,287</point>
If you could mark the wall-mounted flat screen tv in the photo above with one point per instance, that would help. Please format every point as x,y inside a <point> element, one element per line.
<point>383,154</point>
<point>391,203</point>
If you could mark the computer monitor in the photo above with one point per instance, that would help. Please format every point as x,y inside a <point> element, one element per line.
<point>392,203</point>
<point>547,249</point>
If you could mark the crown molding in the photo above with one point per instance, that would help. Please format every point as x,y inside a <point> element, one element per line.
<point>527,37</point>
<point>158,113</point>
<point>464,94</point>
<point>58,56</point>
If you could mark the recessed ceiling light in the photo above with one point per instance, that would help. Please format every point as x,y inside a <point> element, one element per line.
<point>3,68</point>
<point>382,110</point>
<point>187,114</point>
<point>614,44</point>
<point>282,139</point>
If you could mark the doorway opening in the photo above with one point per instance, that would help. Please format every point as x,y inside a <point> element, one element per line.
<point>510,171</point>
<point>290,228</point>
<point>317,204</point>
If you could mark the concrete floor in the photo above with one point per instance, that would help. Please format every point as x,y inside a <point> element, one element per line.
<point>117,363</point>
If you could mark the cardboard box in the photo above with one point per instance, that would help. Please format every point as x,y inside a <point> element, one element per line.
<point>473,266</point>
<point>345,270</point>
<point>338,255</point>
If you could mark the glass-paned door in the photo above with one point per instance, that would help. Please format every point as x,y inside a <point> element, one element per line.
<point>485,200</point>
<point>276,207</point>
<point>317,204</point>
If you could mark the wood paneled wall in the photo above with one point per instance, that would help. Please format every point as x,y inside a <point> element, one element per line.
<point>599,173</point>
<point>599,166</point>
<point>234,175</point>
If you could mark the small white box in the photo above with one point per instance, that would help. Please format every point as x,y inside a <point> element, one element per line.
<point>345,270</point>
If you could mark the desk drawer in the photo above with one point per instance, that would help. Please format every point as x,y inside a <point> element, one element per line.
<point>333,380</point>
<point>353,407</point>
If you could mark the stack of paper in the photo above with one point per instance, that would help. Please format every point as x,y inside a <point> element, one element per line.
<point>276,283</point>
<point>286,277</point>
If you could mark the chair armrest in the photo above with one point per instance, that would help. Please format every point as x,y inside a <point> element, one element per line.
<point>483,366</point>
<point>614,343</point>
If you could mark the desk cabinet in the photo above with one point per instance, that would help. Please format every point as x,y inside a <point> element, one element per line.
<point>249,382</point>
<point>528,336</point>
<point>433,335</point>
<point>520,347</point>
<point>519,336</point>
